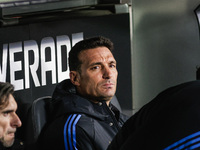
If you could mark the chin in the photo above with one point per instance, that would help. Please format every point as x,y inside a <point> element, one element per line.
<point>110,95</point>
<point>107,97</point>
<point>8,143</point>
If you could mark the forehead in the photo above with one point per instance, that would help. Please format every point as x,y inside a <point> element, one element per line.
<point>96,54</point>
<point>12,105</point>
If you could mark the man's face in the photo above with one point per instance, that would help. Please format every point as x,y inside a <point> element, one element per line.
<point>9,122</point>
<point>98,77</point>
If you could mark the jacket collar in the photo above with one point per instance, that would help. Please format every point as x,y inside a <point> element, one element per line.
<point>66,101</point>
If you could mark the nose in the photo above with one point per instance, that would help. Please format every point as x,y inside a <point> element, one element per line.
<point>107,73</point>
<point>16,122</point>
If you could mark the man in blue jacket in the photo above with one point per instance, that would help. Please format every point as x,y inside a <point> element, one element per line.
<point>82,116</point>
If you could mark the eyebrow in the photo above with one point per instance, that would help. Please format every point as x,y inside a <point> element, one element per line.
<point>95,63</point>
<point>99,63</point>
<point>8,111</point>
<point>113,62</point>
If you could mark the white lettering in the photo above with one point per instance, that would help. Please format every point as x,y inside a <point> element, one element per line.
<point>4,63</point>
<point>76,37</point>
<point>62,41</point>
<point>15,65</point>
<point>48,44</point>
<point>44,62</point>
<point>31,46</point>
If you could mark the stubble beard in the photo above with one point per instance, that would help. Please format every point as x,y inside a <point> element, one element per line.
<point>7,143</point>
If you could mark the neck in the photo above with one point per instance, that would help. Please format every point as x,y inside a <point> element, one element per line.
<point>97,101</point>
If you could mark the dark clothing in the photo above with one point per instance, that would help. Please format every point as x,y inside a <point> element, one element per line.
<point>17,145</point>
<point>79,123</point>
<point>169,121</point>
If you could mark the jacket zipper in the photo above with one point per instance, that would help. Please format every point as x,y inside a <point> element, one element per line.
<point>112,116</point>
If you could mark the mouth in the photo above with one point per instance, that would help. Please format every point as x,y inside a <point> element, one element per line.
<point>108,85</point>
<point>11,134</point>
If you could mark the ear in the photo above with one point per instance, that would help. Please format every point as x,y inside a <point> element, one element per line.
<point>74,77</point>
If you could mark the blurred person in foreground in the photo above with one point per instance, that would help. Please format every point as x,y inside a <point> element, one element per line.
<point>9,120</point>
<point>171,121</point>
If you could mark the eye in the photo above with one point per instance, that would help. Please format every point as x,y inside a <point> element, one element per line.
<point>95,67</point>
<point>112,65</point>
<point>5,114</point>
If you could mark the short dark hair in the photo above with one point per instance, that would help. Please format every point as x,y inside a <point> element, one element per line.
<point>90,43</point>
<point>5,90</point>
